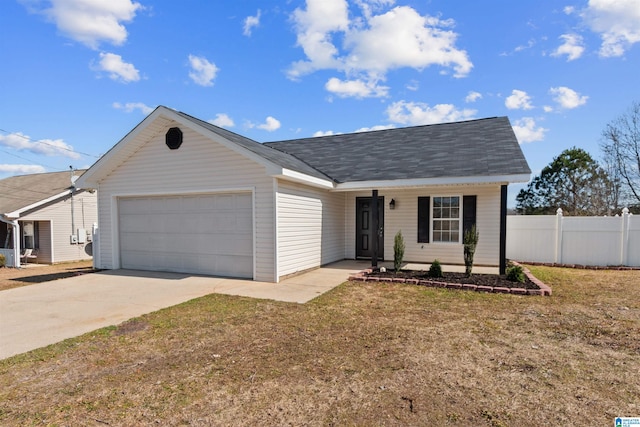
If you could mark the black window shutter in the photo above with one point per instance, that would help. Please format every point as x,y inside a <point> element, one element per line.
<point>468,212</point>
<point>424,204</point>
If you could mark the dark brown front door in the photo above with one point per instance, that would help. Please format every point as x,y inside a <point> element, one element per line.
<point>364,228</point>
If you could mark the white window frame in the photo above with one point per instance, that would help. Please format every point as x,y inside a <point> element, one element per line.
<point>433,219</point>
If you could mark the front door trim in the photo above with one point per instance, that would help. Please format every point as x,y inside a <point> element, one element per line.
<point>364,222</point>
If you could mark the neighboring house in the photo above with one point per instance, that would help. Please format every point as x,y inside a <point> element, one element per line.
<point>180,194</point>
<point>46,217</point>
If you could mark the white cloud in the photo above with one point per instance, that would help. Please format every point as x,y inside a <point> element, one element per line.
<point>418,113</point>
<point>314,27</point>
<point>567,98</point>
<point>47,147</point>
<point>202,71</point>
<point>526,130</point>
<point>413,85</point>
<point>129,107</point>
<point>572,47</point>
<point>472,96</point>
<point>250,22</point>
<point>617,22</point>
<point>21,169</point>
<point>324,133</point>
<point>404,38</point>
<point>222,120</point>
<point>522,47</point>
<point>90,22</point>
<point>270,124</point>
<point>372,44</point>
<point>117,69</point>
<point>568,10</point>
<point>373,128</point>
<point>518,100</point>
<point>547,108</point>
<point>356,88</point>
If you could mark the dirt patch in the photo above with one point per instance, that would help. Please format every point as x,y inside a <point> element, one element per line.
<point>16,277</point>
<point>131,326</point>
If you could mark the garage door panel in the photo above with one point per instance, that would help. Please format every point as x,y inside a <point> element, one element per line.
<point>201,234</point>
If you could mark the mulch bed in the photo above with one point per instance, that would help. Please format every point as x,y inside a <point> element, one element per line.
<point>476,282</point>
<point>475,279</point>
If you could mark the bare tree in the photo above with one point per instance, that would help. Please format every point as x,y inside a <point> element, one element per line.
<point>621,147</point>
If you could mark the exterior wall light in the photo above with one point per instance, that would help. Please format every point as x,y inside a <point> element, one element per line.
<point>392,204</point>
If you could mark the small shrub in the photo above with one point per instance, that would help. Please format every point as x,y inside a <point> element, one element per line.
<point>3,261</point>
<point>515,273</point>
<point>470,241</point>
<point>435,270</point>
<point>398,251</point>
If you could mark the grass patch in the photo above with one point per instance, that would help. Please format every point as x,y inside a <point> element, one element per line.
<point>362,354</point>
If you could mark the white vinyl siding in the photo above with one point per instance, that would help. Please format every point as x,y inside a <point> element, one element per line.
<point>405,218</point>
<point>55,229</point>
<point>200,165</point>
<point>310,227</point>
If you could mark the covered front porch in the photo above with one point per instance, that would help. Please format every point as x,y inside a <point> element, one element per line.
<point>432,220</point>
<point>25,242</point>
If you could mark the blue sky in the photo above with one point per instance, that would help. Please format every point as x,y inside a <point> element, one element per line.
<point>77,75</point>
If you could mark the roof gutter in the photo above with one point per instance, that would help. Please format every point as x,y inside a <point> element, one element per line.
<point>302,178</point>
<point>423,182</point>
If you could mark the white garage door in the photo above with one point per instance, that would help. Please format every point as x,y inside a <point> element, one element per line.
<point>201,234</point>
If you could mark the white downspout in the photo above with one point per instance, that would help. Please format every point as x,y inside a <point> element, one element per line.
<point>16,240</point>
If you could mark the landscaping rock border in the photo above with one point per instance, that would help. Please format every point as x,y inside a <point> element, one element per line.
<point>363,276</point>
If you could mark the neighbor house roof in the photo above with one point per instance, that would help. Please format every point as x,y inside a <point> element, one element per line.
<point>25,192</point>
<point>474,148</point>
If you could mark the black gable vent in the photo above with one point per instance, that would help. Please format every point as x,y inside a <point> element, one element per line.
<point>173,138</point>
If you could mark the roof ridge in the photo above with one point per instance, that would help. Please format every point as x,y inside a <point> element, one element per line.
<point>321,137</point>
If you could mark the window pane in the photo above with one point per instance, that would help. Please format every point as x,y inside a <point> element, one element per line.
<point>437,225</point>
<point>455,201</point>
<point>437,212</point>
<point>455,236</point>
<point>437,236</point>
<point>445,225</point>
<point>437,202</point>
<point>455,225</point>
<point>455,213</point>
<point>446,202</point>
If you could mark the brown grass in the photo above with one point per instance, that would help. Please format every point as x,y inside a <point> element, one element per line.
<point>363,354</point>
<point>30,274</point>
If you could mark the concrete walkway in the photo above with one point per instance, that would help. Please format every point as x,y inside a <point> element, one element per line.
<point>38,315</point>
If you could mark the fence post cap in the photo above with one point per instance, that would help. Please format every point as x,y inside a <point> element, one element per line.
<point>625,211</point>
<point>559,211</point>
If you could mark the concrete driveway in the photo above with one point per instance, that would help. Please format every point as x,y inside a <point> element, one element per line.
<point>38,315</point>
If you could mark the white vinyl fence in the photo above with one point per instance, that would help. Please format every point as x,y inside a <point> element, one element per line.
<point>593,241</point>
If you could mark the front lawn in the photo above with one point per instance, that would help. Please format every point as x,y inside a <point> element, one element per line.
<point>363,354</point>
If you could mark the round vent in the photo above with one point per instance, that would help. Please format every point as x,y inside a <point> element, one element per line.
<point>173,138</point>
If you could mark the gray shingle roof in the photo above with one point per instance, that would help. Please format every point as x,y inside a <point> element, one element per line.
<point>484,147</point>
<point>17,192</point>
